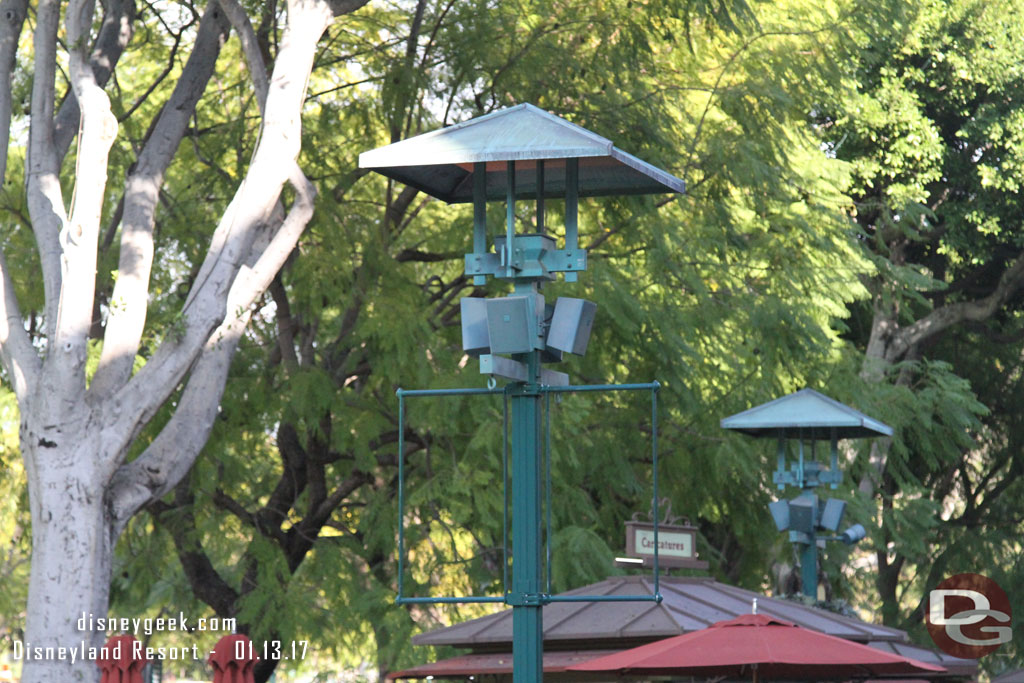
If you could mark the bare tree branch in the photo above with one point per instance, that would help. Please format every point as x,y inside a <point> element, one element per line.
<point>350,484</point>
<point>207,583</point>
<point>44,197</point>
<point>250,47</point>
<point>172,61</point>
<point>888,343</point>
<point>341,7</point>
<point>286,325</point>
<point>12,18</point>
<point>129,300</point>
<point>169,457</point>
<point>225,502</point>
<point>294,467</point>
<point>19,358</point>
<point>80,235</point>
<point>223,287</point>
<point>946,316</point>
<point>115,33</point>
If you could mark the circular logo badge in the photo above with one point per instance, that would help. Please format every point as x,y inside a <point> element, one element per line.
<point>968,616</point>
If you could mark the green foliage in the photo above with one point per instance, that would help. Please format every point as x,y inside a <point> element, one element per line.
<point>15,533</point>
<point>785,119</point>
<point>579,557</point>
<point>936,164</point>
<point>726,295</point>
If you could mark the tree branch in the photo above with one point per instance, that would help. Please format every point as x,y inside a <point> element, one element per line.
<point>172,61</point>
<point>946,316</point>
<point>79,237</point>
<point>114,35</point>
<point>252,282</point>
<point>292,481</point>
<point>426,256</point>
<point>12,18</point>
<point>171,454</point>
<point>342,7</point>
<point>19,358</point>
<point>223,286</point>
<point>250,47</point>
<point>42,182</point>
<point>167,460</point>
<point>130,298</point>
<point>286,324</point>
<point>225,502</point>
<point>342,491</point>
<point>304,535</point>
<point>208,585</point>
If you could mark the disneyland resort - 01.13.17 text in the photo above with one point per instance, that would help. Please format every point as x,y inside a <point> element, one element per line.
<point>148,626</point>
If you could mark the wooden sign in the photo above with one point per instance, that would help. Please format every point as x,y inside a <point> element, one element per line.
<point>677,545</point>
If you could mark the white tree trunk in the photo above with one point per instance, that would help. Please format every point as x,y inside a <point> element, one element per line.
<point>72,552</point>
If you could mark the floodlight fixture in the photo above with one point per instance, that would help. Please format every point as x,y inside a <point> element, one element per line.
<point>855,533</point>
<point>807,514</point>
<point>549,354</point>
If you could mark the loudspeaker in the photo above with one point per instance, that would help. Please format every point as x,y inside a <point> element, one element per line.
<point>513,323</point>
<point>832,514</point>
<point>571,325</point>
<point>780,514</point>
<point>475,340</point>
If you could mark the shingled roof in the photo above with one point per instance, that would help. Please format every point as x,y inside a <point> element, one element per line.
<point>689,603</point>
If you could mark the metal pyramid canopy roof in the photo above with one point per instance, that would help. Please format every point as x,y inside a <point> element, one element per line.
<point>806,414</point>
<point>440,163</point>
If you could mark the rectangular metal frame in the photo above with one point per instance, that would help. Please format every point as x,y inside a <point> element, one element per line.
<point>402,394</point>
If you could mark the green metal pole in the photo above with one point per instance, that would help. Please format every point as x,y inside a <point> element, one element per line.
<point>572,198</point>
<point>479,215</point>
<point>525,597</point>
<point>808,551</point>
<point>809,567</point>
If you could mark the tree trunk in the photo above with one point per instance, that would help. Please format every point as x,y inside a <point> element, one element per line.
<point>72,550</point>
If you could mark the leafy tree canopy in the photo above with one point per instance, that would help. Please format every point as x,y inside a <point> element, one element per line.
<point>784,118</point>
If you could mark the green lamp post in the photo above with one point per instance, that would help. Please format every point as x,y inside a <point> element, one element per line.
<point>515,154</point>
<point>808,417</point>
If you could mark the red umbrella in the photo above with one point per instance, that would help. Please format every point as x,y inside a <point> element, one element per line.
<point>118,663</point>
<point>233,660</point>
<point>758,645</point>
